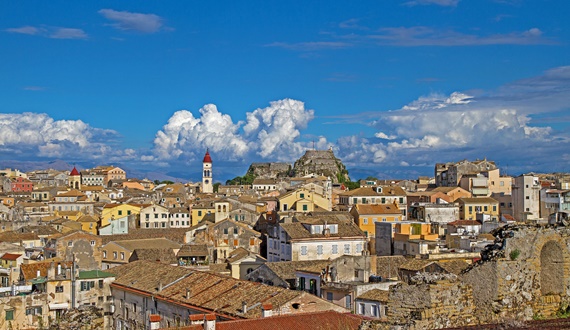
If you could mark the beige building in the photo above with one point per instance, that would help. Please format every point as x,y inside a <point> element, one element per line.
<point>469,208</point>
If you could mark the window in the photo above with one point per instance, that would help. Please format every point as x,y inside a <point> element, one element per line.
<point>100,284</point>
<point>92,243</point>
<point>199,213</point>
<point>358,248</point>
<point>87,285</point>
<point>383,200</point>
<point>9,315</point>
<point>120,212</point>
<point>70,244</point>
<point>355,201</point>
<point>156,215</point>
<point>362,309</point>
<point>147,216</point>
<point>401,200</point>
<point>485,208</point>
<point>305,207</point>
<point>129,212</point>
<point>347,249</point>
<point>301,195</point>
<point>494,208</point>
<point>319,249</point>
<point>329,296</point>
<point>335,249</point>
<point>303,250</point>
<point>235,231</point>
<point>365,221</point>
<point>122,255</point>
<point>470,209</point>
<point>115,255</point>
<point>284,207</point>
<point>104,254</point>
<point>347,302</point>
<point>163,224</point>
<point>59,288</point>
<point>375,310</point>
<point>225,231</point>
<point>527,197</point>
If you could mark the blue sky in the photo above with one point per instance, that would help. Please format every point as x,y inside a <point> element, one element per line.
<point>392,86</point>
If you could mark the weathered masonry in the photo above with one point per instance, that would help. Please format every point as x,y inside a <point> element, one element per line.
<point>524,275</point>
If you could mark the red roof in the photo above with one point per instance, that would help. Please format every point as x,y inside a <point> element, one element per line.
<point>302,321</point>
<point>207,158</point>
<point>464,223</point>
<point>10,256</point>
<point>74,172</point>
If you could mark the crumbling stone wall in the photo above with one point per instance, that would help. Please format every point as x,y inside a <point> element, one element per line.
<point>524,275</point>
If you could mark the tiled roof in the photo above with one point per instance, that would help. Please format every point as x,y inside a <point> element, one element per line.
<point>377,209</point>
<point>375,295</point>
<point>207,290</point>
<point>464,223</point>
<point>10,256</point>
<point>455,266</point>
<point>12,236</point>
<point>387,266</point>
<point>173,234</point>
<point>30,271</point>
<point>329,320</point>
<point>416,264</point>
<point>296,230</point>
<point>87,218</point>
<point>149,243</point>
<point>164,255</point>
<point>478,200</point>
<point>193,250</point>
<point>369,191</point>
<point>286,269</point>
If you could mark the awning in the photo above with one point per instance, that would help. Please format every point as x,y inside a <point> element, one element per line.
<point>38,280</point>
<point>59,306</point>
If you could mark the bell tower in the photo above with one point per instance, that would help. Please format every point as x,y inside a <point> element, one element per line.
<point>207,184</point>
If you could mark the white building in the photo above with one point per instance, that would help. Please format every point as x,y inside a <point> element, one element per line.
<point>526,197</point>
<point>315,237</point>
<point>154,216</point>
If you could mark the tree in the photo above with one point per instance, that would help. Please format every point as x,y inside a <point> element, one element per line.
<point>216,186</point>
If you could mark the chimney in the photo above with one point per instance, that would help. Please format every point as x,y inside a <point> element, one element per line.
<point>188,293</point>
<point>266,310</point>
<point>154,321</point>
<point>243,307</point>
<point>58,269</point>
<point>210,322</point>
<point>159,286</point>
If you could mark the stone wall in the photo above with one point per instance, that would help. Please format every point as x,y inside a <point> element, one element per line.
<point>524,275</point>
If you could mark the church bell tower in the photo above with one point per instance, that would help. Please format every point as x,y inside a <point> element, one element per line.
<point>207,184</point>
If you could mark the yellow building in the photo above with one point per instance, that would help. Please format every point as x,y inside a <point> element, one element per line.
<point>469,208</point>
<point>116,211</point>
<point>89,224</point>
<point>199,211</point>
<point>366,215</point>
<point>303,200</point>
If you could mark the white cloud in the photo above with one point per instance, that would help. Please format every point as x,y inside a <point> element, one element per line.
<point>40,135</point>
<point>51,32</point>
<point>271,133</point>
<point>444,3</point>
<point>382,135</point>
<point>185,134</point>
<point>67,33</point>
<point>497,124</point>
<point>277,127</point>
<point>31,30</point>
<point>124,20</point>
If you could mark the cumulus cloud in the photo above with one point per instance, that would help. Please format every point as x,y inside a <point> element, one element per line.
<point>40,135</point>
<point>277,127</point>
<point>186,134</point>
<point>128,21</point>
<point>495,124</point>
<point>270,132</point>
